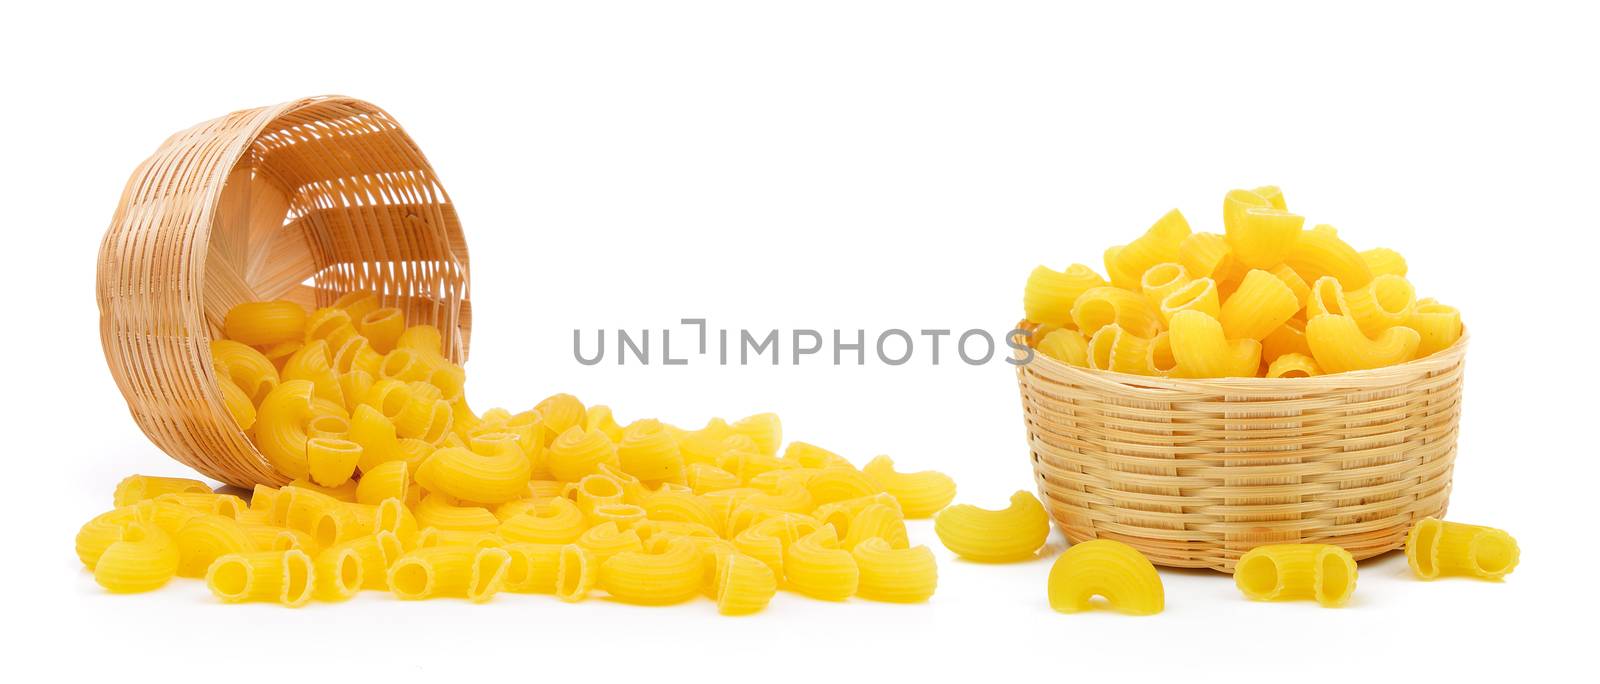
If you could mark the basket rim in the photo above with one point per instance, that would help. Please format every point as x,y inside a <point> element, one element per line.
<point>1432,363</point>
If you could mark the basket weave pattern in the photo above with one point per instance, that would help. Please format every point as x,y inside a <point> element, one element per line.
<point>306,201</point>
<point>1194,473</point>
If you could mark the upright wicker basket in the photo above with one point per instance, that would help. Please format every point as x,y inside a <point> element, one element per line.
<point>304,200</point>
<point>1194,473</point>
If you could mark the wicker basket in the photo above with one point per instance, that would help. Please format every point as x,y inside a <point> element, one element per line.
<point>1194,473</point>
<point>305,200</point>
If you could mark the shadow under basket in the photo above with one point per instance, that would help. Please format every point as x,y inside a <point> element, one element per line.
<point>1194,473</point>
<point>305,201</point>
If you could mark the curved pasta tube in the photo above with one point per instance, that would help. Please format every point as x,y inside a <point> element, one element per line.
<point>313,363</point>
<point>624,516</point>
<point>389,397</point>
<point>533,568</point>
<point>1163,279</point>
<point>338,573</point>
<point>432,537</point>
<point>1338,345</point>
<point>765,429</point>
<point>673,575</point>
<point>599,419</point>
<point>1261,237</point>
<point>1115,349</point>
<point>437,511</point>
<point>206,537</point>
<point>1204,255</point>
<point>556,521</point>
<point>279,353</point>
<point>407,365</point>
<point>1103,306</point>
<point>382,327</point>
<point>487,478</point>
<point>143,558</point>
<point>1158,244</point>
<point>560,412</point>
<point>451,381</point>
<point>676,506</point>
<point>101,532</point>
<point>607,539</point>
<point>1114,272</point>
<point>1109,569</point>
<point>1234,206</point>
<point>1293,366</point>
<point>355,385</point>
<point>649,452</point>
<point>164,514</point>
<point>393,517</point>
<point>839,482</point>
<point>1437,325</point>
<point>577,453</point>
<point>1159,359</point>
<point>1049,295</point>
<point>1436,548</point>
<point>332,462</point>
<point>238,403</point>
<point>814,565</point>
<point>1319,252</point>
<point>704,477</point>
<point>135,488</point>
<point>1289,338</point>
<point>744,585</point>
<point>1006,535</point>
<point>343,522</point>
<point>768,540</point>
<point>247,368</point>
<point>576,573</point>
<point>877,521</point>
<point>1288,572</point>
<point>1203,350</point>
<point>1296,284</point>
<point>595,491</point>
<point>898,575</point>
<point>356,354</point>
<point>226,505</point>
<point>284,577</point>
<point>706,445</point>
<point>1327,297</point>
<point>1384,261</point>
<point>920,494</point>
<point>471,572</point>
<point>281,427</point>
<point>1261,304</point>
<point>377,553</point>
<point>1383,303</point>
<point>1274,196</point>
<point>1066,346</point>
<point>422,338</point>
<point>1200,295</point>
<point>387,480</point>
<point>264,323</point>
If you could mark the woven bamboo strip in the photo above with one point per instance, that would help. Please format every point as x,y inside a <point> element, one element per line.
<point>304,200</point>
<point>1194,473</point>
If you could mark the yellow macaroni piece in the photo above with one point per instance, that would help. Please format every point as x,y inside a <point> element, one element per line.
<point>1338,345</point>
<point>744,585</point>
<point>1006,535</point>
<point>1159,244</point>
<point>1320,253</point>
<point>245,367</point>
<point>284,577</point>
<point>1436,548</point>
<point>1437,325</point>
<point>672,575</point>
<point>815,566</point>
<point>1161,280</point>
<point>143,558</point>
<point>576,573</point>
<point>382,327</point>
<point>607,539</point>
<point>898,575</point>
<point>475,573</point>
<point>1200,295</point>
<point>1108,569</point>
<point>136,488</point>
<point>1383,303</point>
<point>1288,572</point>
<point>1066,346</point>
<point>649,452</point>
<point>386,480</point>
<point>1203,350</point>
<point>435,510</point>
<point>1204,255</point>
<point>338,573</point>
<point>206,537</point>
<point>1234,206</point>
<point>556,521</point>
<point>1293,366</point>
<point>920,494</point>
<point>577,452</point>
<point>1289,338</point>
<point>264,323</point>
<point>280,428</point>
<point>1383,261</point>
<point>1261,304</point>
<point>533,567</point>
<point>1261,237</point>
<point>1103,306</point>
<point>332,462</point>
<point>1115,349</point>
<point>1049,295</point>
<point>474,475</point>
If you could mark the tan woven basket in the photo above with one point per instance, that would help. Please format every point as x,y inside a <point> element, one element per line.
<point>1194,473</point>
<point>305,200</point>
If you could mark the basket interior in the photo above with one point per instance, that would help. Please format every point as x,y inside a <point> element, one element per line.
<point>333,197</point>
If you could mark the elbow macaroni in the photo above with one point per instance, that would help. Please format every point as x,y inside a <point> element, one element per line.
<point>1108,569</point>
<point>1006,535</point>
<point>1436,548</point>
<point>1287,572</point>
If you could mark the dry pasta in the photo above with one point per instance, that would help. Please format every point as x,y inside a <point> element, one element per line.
<point>899,575</point>
<point>1286,572</point>
<point>920,494</point>
<point>1049,295</point>
<point>815,566</point>
<point>1436,548</point>
<point>142,558</point>
<point>285,577</point>
<point>475,573</point>
<point>1109,569</point>
<point>1009,534</point>
<point>1338,344</point>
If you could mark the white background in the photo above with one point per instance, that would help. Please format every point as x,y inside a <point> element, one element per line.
<point>839,165</point>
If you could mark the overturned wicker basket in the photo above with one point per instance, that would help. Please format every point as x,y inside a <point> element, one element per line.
<point>1194,473</point>
<point>305,200</point>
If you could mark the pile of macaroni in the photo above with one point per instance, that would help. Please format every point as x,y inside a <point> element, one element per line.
<point>1265,298</point>
<point>397,485</point>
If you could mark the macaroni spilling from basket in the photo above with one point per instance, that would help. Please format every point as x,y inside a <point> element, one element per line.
<point>1266,297</point>
<point>398,485</point>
